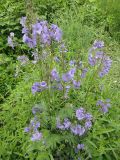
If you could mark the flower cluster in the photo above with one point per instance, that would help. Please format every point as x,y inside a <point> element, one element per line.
<point>54,75</point>
<point>100,58</point>
<point>33,130</point>
<point>103,105</point>
<point>57,82</point>
<point>39,87</point>
<point>77,129</point>
<point>98,44</point>
<point>66,124</point>
<point>107,62</point>
<point>41,33</point>
<point>66,77</point>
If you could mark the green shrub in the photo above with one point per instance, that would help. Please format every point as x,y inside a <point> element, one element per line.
<point>102,141</point>
<point>7,79</point>
<point>51,104</point>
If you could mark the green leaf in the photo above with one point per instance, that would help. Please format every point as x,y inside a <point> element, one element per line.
<point>93,144</point>
<point>103,131</point>
<point>43,156</point>
<point>92,0</point>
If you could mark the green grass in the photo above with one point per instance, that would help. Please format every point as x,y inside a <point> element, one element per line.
<point>103,140</point>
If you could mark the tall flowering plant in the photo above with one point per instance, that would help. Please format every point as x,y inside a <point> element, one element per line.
<point>61,125</point>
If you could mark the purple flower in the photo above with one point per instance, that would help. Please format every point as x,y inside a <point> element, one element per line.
<point>81,131</point>
<point>34,125</point>
<point>68,87</point>
<point>84,71</point>
<point>66,77</point>
<point>67,123</point>
<point>25,30</point>
<point>98,44</point>
<point>55,33</point>
<point>45,38</point>
<point>55,75</point>
<point>76,84</point>
<point>107,62</point>
<point>92,60</point>
<point>39,86</point>
<point>43,84</point>
<point>36,136</point>
<point>88,116</point>
<point>72,72</point>
<point>37,29</point>
<point>74,130</point>
<point>27,129</point>
<point>25,38</point>
<point>80,113</point>
<point>104,105</point>
<point>80,146</point>
<point>78,130</point>
<point>37,125</point>
<point>42,29</point>
<point>33,129</point>
<point>100,57</point>
<point>59,86</point>
<point>36,87</point>
<point>45,28</point>
<point>69,75</point>
<point>29,41</point>
<point>99,103</point>
<point>104,109</point>
<point>72,63</point>
<point>33,122</point>
<point>59,125</point>
<point>88,124</point>
<point>40,32</point>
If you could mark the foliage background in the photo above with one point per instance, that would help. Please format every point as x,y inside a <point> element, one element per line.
<point>82,21</point>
